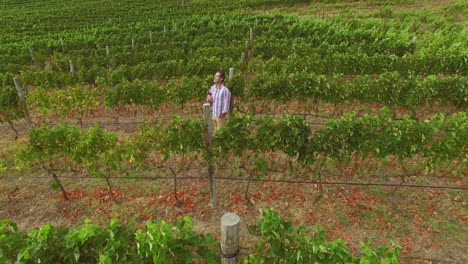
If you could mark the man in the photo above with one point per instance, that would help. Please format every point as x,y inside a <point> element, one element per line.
<point>219,97</point>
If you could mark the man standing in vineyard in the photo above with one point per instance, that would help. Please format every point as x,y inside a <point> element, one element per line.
<point>220,97</point>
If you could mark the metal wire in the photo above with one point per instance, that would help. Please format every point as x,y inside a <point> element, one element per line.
<point>350,183</point>
<point>253,180</point>
<point>134,124</point>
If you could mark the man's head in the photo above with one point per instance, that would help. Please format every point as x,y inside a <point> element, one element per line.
<point>219,77</point>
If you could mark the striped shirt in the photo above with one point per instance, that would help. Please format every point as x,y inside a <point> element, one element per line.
<point>221,100</point>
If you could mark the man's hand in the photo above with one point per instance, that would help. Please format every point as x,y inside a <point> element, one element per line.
<point>209,99</point>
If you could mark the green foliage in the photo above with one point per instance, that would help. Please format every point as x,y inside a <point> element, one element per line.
<point>357,57</point>
<point>450,144</point>
<point>267,136</point>
<point>350,136</point>
<point>185,89</point>
<point>280,241</point>
<point>455,8</point>
<point>46,145</point>
<point>67,146</point>
<point>158,242</point>
<point>237,85</point>
<point>235,135</point>
<point>164,243</point>
<point>389,88</point>
<point>98,152</point>
<point>137,149</point>
<point>65,102</point>
<point>294,132</point>
<point>43,246</point>
<point>183,136</point>
<point>11,241</point>
<point>10,107</point>
<point>439,139</point>
<point>95,147</point>
<point>90,243</point>
<point>136,92</point>
<point>385,12</point>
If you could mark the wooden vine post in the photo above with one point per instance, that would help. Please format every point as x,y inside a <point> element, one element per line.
<point>63,44</point>
<point>251,42</point>
<point>231,102</point>
<point>72,67</point>
<point>19,89</point>
<point>243,59</point>
<point>231,73</point>
<point>109,62</point>
<point>230,226</point>
<point>208,142</point>
<point>32,56</point>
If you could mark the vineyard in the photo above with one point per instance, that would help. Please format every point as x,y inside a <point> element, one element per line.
<point>346,143</point>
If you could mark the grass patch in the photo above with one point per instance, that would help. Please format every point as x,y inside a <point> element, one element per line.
<point>457,231</point>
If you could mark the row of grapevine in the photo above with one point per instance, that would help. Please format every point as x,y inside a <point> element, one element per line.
<point>437,143</point>
<point>350,45</point>
<point>161,242</point>
<point>280,36</point>
<point>390,89</point>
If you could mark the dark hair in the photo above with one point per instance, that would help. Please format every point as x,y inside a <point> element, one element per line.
<point>222,75</point>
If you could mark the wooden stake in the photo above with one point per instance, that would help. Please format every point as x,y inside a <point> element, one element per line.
<point>208,143</point>
<point>19,89</point>
<point>230,226</point>
<point>151,37</point>
<point>133,44</point>
<point>231,102</point>
<point>231,73</point>
<point>72,67</point>
<point>109,62</point>
<point>32,56</point>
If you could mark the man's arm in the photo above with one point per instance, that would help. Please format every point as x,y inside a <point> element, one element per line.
<point>226,103</point>
<point>209,97</point>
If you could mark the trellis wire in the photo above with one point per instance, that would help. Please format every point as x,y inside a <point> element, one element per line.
<point>254,180</point>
